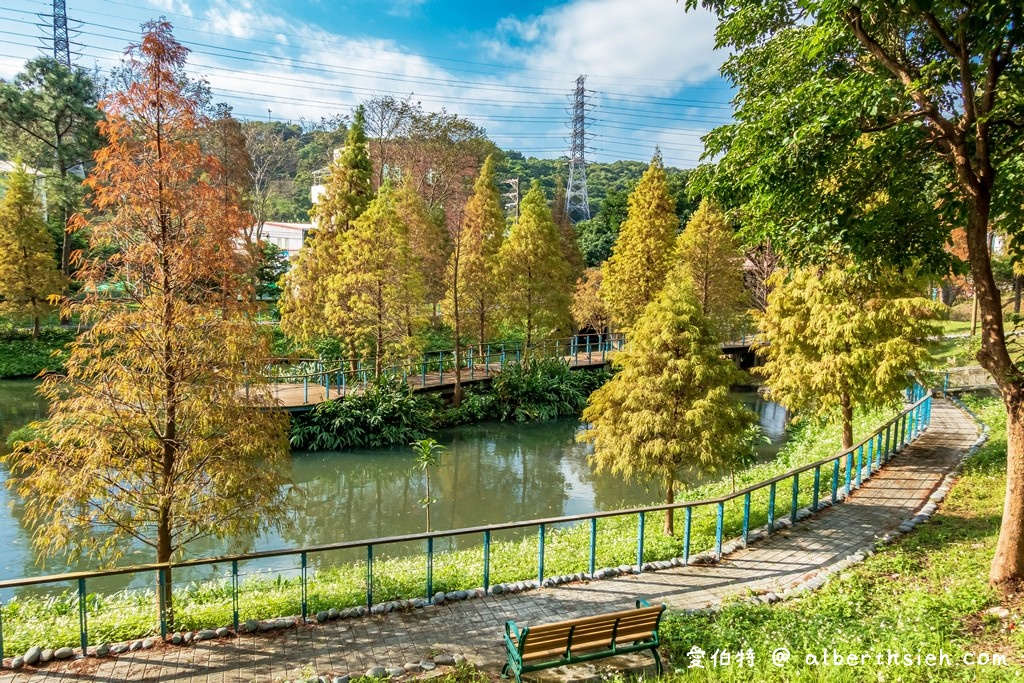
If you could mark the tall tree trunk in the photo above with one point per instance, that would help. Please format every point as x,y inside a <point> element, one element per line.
<point>974,313</point>
<point>670,497</point>
<point>846,406</point>
<point>1008,562</point>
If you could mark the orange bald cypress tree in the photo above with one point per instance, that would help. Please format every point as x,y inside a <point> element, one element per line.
<point>152,440</point>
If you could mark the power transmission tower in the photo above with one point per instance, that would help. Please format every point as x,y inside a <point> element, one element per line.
<point>577,204</point>
<point>512,198</point>
<point>61,44</point>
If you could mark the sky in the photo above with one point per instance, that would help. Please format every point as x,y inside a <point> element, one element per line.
<point>651,68</point>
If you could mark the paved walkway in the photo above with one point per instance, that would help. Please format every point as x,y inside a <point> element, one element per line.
<point>473,627</point>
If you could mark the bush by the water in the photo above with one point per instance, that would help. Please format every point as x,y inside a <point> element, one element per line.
<point>390,413</point>
<point>23,356</point>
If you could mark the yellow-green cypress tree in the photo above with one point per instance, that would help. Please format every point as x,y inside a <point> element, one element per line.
<point>708,246</point>
<point>472,277</point>
<point>348,191</point>
<point>534,275</point>
<point>429,240</point>
<point>372,296</point>
<point>28,269</point>
<point>635,272</point>
<point>667,415</point>
<point>843,341</point>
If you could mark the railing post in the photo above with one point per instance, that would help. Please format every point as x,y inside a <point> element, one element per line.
<point>817,488</point>
<point>860,462</point>
<point>234,594</point>
<point>640,541</point>
<point>771,507</point>
<point>487,559</point>
<point>835,480</point>
<point>887,453</point>
<point>719,521</point>
<point>430,567</point>
<point>746,518</point>
<point>871,453</point>
<point>305,389</point>
<point>540,554</point>
<point>593,546</point>
<point>423,382</point>
<point>305,601</point>
<point>469,359</point>
<point>686,535</point>
<point>849,471</point>
<point>796,497</point>
<point>440,368</point>
<point>369,576</point>
<point>83,615</point>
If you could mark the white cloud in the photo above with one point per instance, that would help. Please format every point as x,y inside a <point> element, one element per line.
<point>239,20</point>
<point>404,8</point>
<point>173,6</point>
<point>626,42</point>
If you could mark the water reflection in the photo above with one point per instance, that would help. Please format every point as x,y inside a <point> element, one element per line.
<point>490,473</point>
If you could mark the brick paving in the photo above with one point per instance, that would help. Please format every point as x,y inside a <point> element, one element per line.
<point>474,627</point>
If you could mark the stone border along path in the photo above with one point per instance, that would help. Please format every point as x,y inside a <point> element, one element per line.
<point>408,642</point>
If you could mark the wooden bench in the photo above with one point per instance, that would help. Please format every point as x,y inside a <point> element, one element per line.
<point>533,648</point>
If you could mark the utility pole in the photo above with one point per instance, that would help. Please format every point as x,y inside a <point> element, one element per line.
<point>512,198</point>
<point>577,204</point>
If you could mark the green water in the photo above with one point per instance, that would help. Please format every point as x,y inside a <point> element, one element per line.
<point>490,473</point>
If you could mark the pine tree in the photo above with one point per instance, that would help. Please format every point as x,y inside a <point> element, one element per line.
<point>708,247</point>
<point>372,296</point>
<point>667,414</point>
<point>28,270</point>
<point>841,342</point>
<point>348,192</point>
<point>477,246</point>
<point>157,433</point>
<point>635,272</point>
<point>533,271</point>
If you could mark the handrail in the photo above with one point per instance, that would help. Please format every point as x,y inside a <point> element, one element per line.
<point>505,526</point>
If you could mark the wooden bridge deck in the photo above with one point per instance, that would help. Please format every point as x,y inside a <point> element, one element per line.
<point>297,397</point>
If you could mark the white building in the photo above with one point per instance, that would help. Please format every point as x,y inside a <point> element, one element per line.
<point>288,237</point>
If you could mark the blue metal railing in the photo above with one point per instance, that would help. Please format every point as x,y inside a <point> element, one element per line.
<point>880,446</point>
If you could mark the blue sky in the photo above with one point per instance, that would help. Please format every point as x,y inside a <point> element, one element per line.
<point>651,67</point>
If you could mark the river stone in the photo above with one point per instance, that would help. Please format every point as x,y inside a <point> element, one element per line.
<point>427,665</point>
<point>118,649</point>
<point>176,639</point>
<point>412,667</point>
<point>135,646</point>
<point>341,679</point>
<point>63,653</point>
<point>102,651</point>
<point>206,634</point>
<point>444,660</point>
<point>284,623</point>
<point>376,672</point>
<point>31,656</point>
<point>148,643</point>
<point>322,616</point>
<point>222,632</point>
<point>361,611</point>
<point>396,671</point>
<point>497,589</point>
<point>17,663</point>
<point>377,609</point>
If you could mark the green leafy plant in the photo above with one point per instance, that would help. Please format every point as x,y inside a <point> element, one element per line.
<point>427,453</point>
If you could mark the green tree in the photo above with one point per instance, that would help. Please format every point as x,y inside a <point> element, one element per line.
<point>347,193</point>
<point>534,277</point>
<point>473,279</point>
<point>635,273</point>
<point>273,265</point>
<point>149,439</point>
<point>920,101</point>
<point>842,342</point>
<point>667,414</point>
<point>48,116</point>
<point>371,298</point>
<point>29,278</point>
<point>708,247</point>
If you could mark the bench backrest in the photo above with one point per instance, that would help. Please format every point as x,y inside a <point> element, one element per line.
<point>590,633</point>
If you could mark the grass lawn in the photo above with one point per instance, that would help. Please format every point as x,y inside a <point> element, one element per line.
<point>928,593</point>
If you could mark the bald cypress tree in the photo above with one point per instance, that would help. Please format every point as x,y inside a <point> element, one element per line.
<point>667,415</point>
<point>534,274</point>
<point>348,192</point>
<point>28,270</point>
<point>635,272</point>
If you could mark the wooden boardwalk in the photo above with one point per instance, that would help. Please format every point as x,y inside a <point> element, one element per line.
<point>297,396</point>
